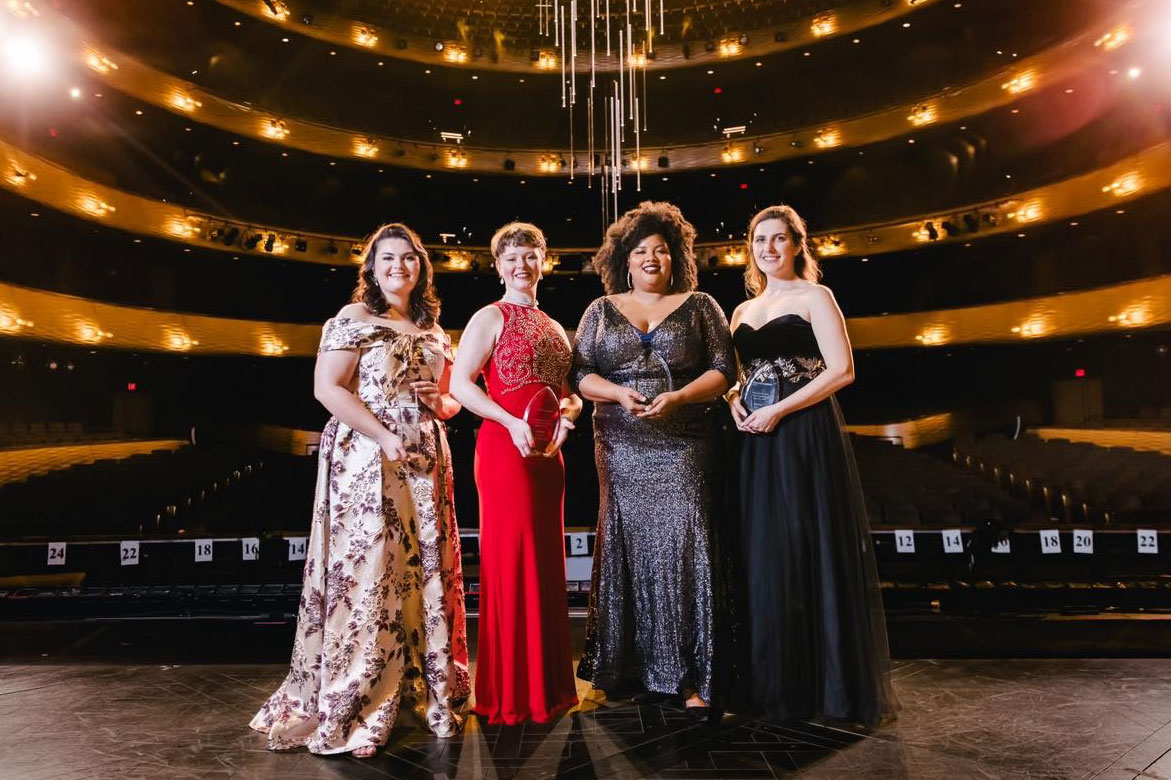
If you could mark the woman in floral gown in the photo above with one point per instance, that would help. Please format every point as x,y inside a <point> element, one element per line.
<point>381,622</point>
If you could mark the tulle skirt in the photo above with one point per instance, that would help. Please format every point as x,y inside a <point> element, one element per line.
<point>816,630</point>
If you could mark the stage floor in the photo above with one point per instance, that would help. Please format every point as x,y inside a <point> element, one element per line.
<point>74,715</point>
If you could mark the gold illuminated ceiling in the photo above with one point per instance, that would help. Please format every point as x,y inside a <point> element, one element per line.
<point>1055,65</point>
<point>44,182</point>
<point>457,50</point>
<point>45,316</point>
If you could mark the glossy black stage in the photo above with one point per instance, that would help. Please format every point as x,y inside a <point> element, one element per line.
<point>171,701</point>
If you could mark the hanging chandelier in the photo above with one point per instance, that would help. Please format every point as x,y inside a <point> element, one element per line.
<point>617,88</point>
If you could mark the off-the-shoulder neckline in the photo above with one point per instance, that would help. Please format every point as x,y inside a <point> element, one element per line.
<point>391,328</point>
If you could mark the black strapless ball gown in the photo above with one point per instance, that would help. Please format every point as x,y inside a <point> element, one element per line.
<point>815,622</point>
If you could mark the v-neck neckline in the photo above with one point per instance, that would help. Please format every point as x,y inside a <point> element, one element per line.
<point>648,333</point>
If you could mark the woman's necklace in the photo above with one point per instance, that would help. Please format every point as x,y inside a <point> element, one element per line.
<point>527,304</point>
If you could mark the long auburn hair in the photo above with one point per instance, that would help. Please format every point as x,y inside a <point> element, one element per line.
<point>422,303</point>
<point>805,262</point>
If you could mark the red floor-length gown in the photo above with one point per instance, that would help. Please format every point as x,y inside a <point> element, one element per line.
<point>524,666</point>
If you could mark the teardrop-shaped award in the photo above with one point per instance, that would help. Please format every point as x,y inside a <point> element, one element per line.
<point>543,415</point>
<point>762,388</point>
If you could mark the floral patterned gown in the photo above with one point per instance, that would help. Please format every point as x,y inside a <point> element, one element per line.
<point>381,621</point>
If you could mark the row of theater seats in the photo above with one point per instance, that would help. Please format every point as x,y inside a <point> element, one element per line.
<point>204,489</point>
<point>1075,482</point>
<point>25,434</point>
<point>917,489</point>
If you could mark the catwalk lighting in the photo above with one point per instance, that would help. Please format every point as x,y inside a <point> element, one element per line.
<point>26,55</point>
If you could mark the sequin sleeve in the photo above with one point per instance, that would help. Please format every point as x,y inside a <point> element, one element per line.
<point>341,333</point>
<point>716,337</point>
<point>585,342</point>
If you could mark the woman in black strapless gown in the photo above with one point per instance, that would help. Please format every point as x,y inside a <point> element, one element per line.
<point>815,622</point>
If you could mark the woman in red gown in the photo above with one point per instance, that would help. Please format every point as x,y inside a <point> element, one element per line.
<point>524,665</point>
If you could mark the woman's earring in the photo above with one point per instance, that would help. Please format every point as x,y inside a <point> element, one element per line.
<point>501,278</point>
<point>629,281</point>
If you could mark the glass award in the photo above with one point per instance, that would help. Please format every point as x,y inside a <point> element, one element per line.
<point>653,377</point>
<point>543,415</point>
<point>761,389</point>
<point>405,421</point>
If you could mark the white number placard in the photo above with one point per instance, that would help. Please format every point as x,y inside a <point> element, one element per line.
<point>579,544</point>
<point>905,541</point>
<point>1148,541</point>
<point>203,550</point>
<point>953,541</point>
<point>298,546</point>
<point>1083,541</point>
<point>1050,541</point>
<point>1002,547</point>
<point>128,553</point>
<point>56,554</point>
<point>250,549</point>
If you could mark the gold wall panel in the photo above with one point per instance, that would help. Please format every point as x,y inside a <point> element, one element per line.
<point>44,316</point>
<point>1156,441</point>
<point>45,182</point>
<point>19,463</point>
<point>1054,65</point>
<point>380,41</point>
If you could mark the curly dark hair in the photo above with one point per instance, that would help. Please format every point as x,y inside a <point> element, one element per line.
<point>623,236</point>
<point>423,303</point>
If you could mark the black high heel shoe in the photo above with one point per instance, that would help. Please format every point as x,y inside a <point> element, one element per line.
<point>705,714</point>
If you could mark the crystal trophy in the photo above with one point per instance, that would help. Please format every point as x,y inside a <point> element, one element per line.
<point>404,414</point>
<point>761,389</point>
<point>543,415</point>
<point>654,376</point>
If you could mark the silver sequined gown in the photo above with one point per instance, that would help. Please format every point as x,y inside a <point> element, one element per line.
<point>653,607</point>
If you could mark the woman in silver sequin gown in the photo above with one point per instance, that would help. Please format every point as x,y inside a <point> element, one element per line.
<point>653,605</point>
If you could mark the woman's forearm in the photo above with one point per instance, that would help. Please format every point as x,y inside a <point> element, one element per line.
<point>822,387</point>
<point>595,388</point>
<point>345,406</point>
<point>448,407</point>
<point>708,386</point>
<point>474,399</point>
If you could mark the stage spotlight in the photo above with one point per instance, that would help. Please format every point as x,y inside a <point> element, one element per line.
<point>780,37</point>
<point>400,43</point>
<point>307,19</point>
<point>26,55</point>
<point>331,249</point>
<point>950,228</point>
<point>971,222</point>
<point>509,164</point>
<point>932,233</point>
<point>743,39</point>
<point>438,45</point>
<point>664,161</point>
<point>230,235</point>
<point>268,244</point>
<point>252,240</point>
<point>300,245</point>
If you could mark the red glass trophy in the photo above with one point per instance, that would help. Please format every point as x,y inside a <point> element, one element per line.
<point>543,415</point>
